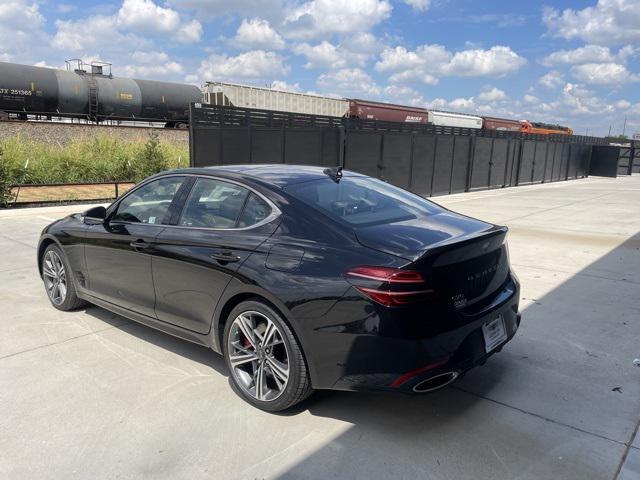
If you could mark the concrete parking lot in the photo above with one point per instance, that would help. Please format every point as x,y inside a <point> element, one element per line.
<point>90,394</point>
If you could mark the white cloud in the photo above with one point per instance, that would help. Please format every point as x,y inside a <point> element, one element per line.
<point>145,16</point>
<point>349,82</point>
<point>122,32</point>
<point>492,95</point>
<point>257,33</point>
<point>609,22</point>
<point>495,62</point>
<point>21,28</point>
<point>208,9</point>
<point>586,54</point>
<point>403,95</point>
<point>530,99</point>
<point>603,74</point>
<point>256,64</point>
<point>622,104</point>
<point>420,5</point>
<point>552,79</point>
<point>151,64</point>
<point>462,104</point>
<point>430,62</point>
<point>322,55</point>
<point>320,18</point>
<point>190,32</point>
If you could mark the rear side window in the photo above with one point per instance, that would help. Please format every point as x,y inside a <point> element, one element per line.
<point>363,201</point>
<point>213,204</point>
<point>255,210</point>
<point>149,203</point>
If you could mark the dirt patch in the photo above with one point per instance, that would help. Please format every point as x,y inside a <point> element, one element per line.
<point>61,193</point>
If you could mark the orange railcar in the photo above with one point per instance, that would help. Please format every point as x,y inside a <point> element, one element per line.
<point>544,128</point>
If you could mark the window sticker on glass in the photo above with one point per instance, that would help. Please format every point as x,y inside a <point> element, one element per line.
<point>152,219</point>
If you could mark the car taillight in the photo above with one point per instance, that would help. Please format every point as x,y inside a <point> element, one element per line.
<point>391,287</point>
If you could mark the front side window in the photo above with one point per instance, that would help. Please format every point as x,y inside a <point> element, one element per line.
<point>362,201</point>
<point>214,204</point>
<point>149,203</point>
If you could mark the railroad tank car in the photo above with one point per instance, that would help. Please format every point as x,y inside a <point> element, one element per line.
<point>247,96</point>
<point>502,124</point>
<point>28,90</point>
<point>387,112</point>
<point>447,119</point>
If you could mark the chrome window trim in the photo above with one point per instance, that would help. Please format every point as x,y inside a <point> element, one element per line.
<point>275,211</point>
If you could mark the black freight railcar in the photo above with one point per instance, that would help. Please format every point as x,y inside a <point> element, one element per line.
<point>93,94</point>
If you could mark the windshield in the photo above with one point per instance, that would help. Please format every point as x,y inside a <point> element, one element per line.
<point>362,200</point>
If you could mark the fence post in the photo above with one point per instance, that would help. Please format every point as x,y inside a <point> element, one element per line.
<point>116,184</point>
<point>343,137</point>
<point>413,139</point>
<point>519,160</point>
<point>470,161</point>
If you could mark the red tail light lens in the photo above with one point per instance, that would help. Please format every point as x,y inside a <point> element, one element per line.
<point>386,274</point>
<point>391,287</point>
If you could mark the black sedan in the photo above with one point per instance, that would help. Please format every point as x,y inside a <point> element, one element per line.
<point>302,277</point>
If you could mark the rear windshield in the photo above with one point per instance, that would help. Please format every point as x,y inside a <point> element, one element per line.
<point>362,200</point>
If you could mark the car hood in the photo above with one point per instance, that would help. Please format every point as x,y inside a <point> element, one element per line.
<point>411,239</point>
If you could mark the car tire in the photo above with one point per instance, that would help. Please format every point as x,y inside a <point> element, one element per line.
<point>58,277</point>
<point>273,396</point>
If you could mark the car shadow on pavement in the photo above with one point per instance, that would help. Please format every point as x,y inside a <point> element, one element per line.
<point>560,401</point>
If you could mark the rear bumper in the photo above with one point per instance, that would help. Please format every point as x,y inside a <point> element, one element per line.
<point>400,364</point>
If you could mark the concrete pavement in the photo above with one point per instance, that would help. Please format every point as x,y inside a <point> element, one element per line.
<point>90,394</point>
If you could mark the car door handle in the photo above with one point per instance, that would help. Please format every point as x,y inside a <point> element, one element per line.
<point>227,257</point>
<point>139,245</point>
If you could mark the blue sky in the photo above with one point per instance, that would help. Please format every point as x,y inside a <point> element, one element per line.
<point>571,62</point>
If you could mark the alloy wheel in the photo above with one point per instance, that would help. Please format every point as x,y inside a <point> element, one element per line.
<point>258,356</point>
<point>55,277</point>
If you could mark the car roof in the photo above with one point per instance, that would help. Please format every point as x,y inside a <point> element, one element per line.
<point>274,174</point>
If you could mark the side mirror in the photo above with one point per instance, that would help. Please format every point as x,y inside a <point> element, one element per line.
<point>94,216</point>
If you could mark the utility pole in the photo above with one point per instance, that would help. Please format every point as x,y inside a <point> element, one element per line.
<point>624,128</point>
<point>609,134</point>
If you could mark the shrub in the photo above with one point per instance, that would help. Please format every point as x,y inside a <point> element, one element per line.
<point>5,181</point>
<point>103,158</point>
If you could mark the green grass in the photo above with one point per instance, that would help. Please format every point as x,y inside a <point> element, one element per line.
<point>99,159</point>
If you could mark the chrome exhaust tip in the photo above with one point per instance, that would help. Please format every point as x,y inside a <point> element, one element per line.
<point>435,383</point>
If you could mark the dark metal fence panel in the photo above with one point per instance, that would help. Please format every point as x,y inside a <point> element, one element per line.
<point>424,152</point>
<point>235,147</point>
<point>550,157</point>
<point>557,162</point>
<point>480,163</point>
<point>205,145</point>
<point>527,157</point>
<point>539,162</point>
<point>441,184</point>
<point>498,163</point>
<point>363,152</point>
<point>460,164</point>
<point>635,163</point>
<point>605,162</point>
<point>511,171</point>
<point>267,145</point>
<point>396,158</point>
<point>303,146</point>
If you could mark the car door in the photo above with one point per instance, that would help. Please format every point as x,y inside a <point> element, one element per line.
<point>221,224</point>
<point>117,252</point>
